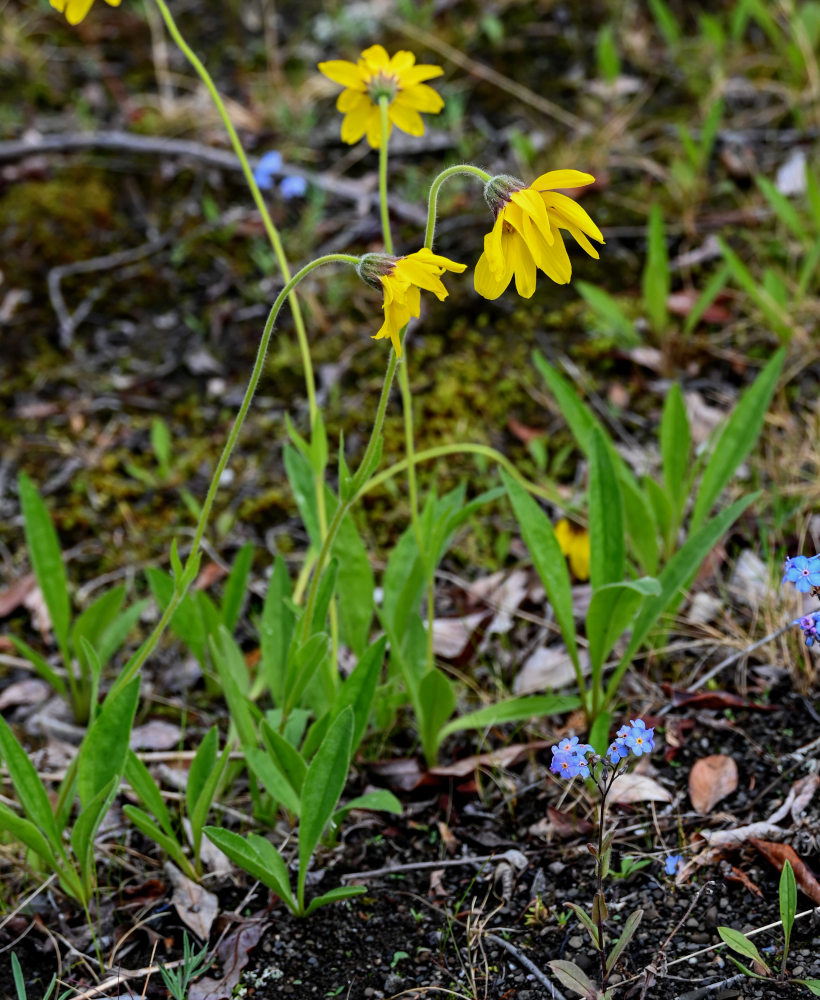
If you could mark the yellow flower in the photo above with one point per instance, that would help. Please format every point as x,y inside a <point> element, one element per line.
<point>376,75</point>
<point>574,542</point>
<point>75,10</point>
<point>401,279</point>
<point>527,232</point>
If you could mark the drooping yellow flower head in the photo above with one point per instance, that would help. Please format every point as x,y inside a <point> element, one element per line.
<point>527,232</point>
<point>574,543</point>
<point>401,279</point>
<point>377,75</point>
<point>75,10</point>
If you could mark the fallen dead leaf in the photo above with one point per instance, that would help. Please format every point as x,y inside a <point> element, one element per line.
<point>568,825</point>
<point>504,757</point>
<point>451,636</point>
<point>448,838</point>
<point>779,854</point>
<point>711,780</point>
<point>437,888</point>
<point>197,908</point>
<point>548,668</point>
<point>800,795</point>
<point>28,692</point>
<point>155,735</point>
<point>233,956</point>
<point>637,788</point>
<point>712,699</point>
<point>732,874</point>
<point>742,834</point>
<point>13,597</point>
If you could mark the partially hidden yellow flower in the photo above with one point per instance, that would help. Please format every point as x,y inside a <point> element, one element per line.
<point>527,232</point>
<point>75,10</point>
<point>378,75</point>
<point>574,543</point>
<point>401,279</point>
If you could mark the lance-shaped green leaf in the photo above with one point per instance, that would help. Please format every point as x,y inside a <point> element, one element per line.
<point>606,521</point>
<point>630,927</point>
<point>323,786</point>
<point>30,790</point>
<point>676,445</point>
<point>788,905</point>
<point>512,710</point>
<point>102,754</point>
<point>258,857</point>
<point>586,920</point>
<point>334,896</point>
<point>610,613</point>
<point>574,978</point>
<point>742,945</point>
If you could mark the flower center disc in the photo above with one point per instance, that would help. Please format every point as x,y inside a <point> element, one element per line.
<point>382,85</point>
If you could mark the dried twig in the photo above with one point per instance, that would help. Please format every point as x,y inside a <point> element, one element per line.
<point>528,965</point>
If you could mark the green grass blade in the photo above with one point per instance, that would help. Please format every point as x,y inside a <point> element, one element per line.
<point>511,710</point>
<point>606,520</point>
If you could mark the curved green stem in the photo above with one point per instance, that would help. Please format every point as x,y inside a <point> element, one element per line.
<point>388,236</point>
<point>259,201</point>
<point>435,187</point>
<point>182,584</point>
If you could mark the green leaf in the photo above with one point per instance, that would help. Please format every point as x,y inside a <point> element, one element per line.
<point>610,314</point>
<point>713,287</point>
<point>323,786</point>
<point>161,443</point>
<point>776,316</point>
<point>573,978</point>
<point>737,438</point>
<point>85,830</point>
<point>103,752</point>
<point>186,622</point>
<point>47,561</point>
<point>606,526</point>
<point>666,23</point>
<point>656,274</point>
<point>599,730</point>
<point>96,618</point>
<point>258,861</point>
<point>27,833</point>
<point>380,800</point>
<point>116,633</point>
<point>139,778</point>
<point>788,903</point>
<point>783,209</point>
<point>676,445</point>
<point>30,790</point>
<point>641,526</point>
<point>610,613</point>
<point>549,562</point>
<point>165,841</point>
<point>286,757</point>
<point>813,985</point>
<point>233,596</point>
<point>334,896</point>
<point>202,765</point>
<point>202,806</point>
<point>276,629</point>
<point>305,661</point>
<point>274,780</point>
<point>586,920</point>
<point>439,699</point>
<point>233,676</point>
<point>630,927</point>
<point>41,665</point>
<point>674,579</point>
<point>511,710</point>
<point>742,945</point>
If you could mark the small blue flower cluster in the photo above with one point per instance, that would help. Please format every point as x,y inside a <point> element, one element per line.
<point>673,862</point>
<point>803,572</point>
<point>809,623</point>
<point>569,757</point>
<point>269,167</point>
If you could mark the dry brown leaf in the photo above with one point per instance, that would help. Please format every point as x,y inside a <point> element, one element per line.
<point>638,788</point>
<point>504,757</point>
<point>437,888</point>
<point>197,908</point>
<point>742,834</point>
<point>779,854</point>
<point>451,636</point>
<point>233,956</point>
<point>800,795</point>
<point>448,838</point>
<point>711,780</point>
<point>13,597</point>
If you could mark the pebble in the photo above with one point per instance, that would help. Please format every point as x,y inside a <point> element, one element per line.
<point>575,942</point>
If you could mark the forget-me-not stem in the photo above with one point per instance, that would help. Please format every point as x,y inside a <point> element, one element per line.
<point>181,585</point>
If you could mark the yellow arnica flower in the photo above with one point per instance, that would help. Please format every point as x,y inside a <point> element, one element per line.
<point>378,75</point>
<point>574,543</point>
<point>527,232</point>
<point>75,10</point>
<point>401,279</point>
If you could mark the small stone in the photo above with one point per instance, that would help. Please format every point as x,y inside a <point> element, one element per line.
<point>575,942</point>
<point>798,970</point>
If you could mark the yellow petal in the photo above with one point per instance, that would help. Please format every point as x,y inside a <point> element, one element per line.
<point>375,58</point>
<point>352,100</point>
<point>582,241</point>
<point>421,98</point>
<point>374,128</point>
<point>570,211</point>
<point>407,119</point>
<point>354,124</point>
<point>427,255</point>
<point>553,179</point>
<point>532,203</point>
<point>493,247</point>
<point>341,71</point>
<point>410,77</point>
<point>523,266</point>
<point>401,62</point>
<point>488,282</point>
<point>556,263</point>
<point>58,5</point>
<point>113,3</point>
